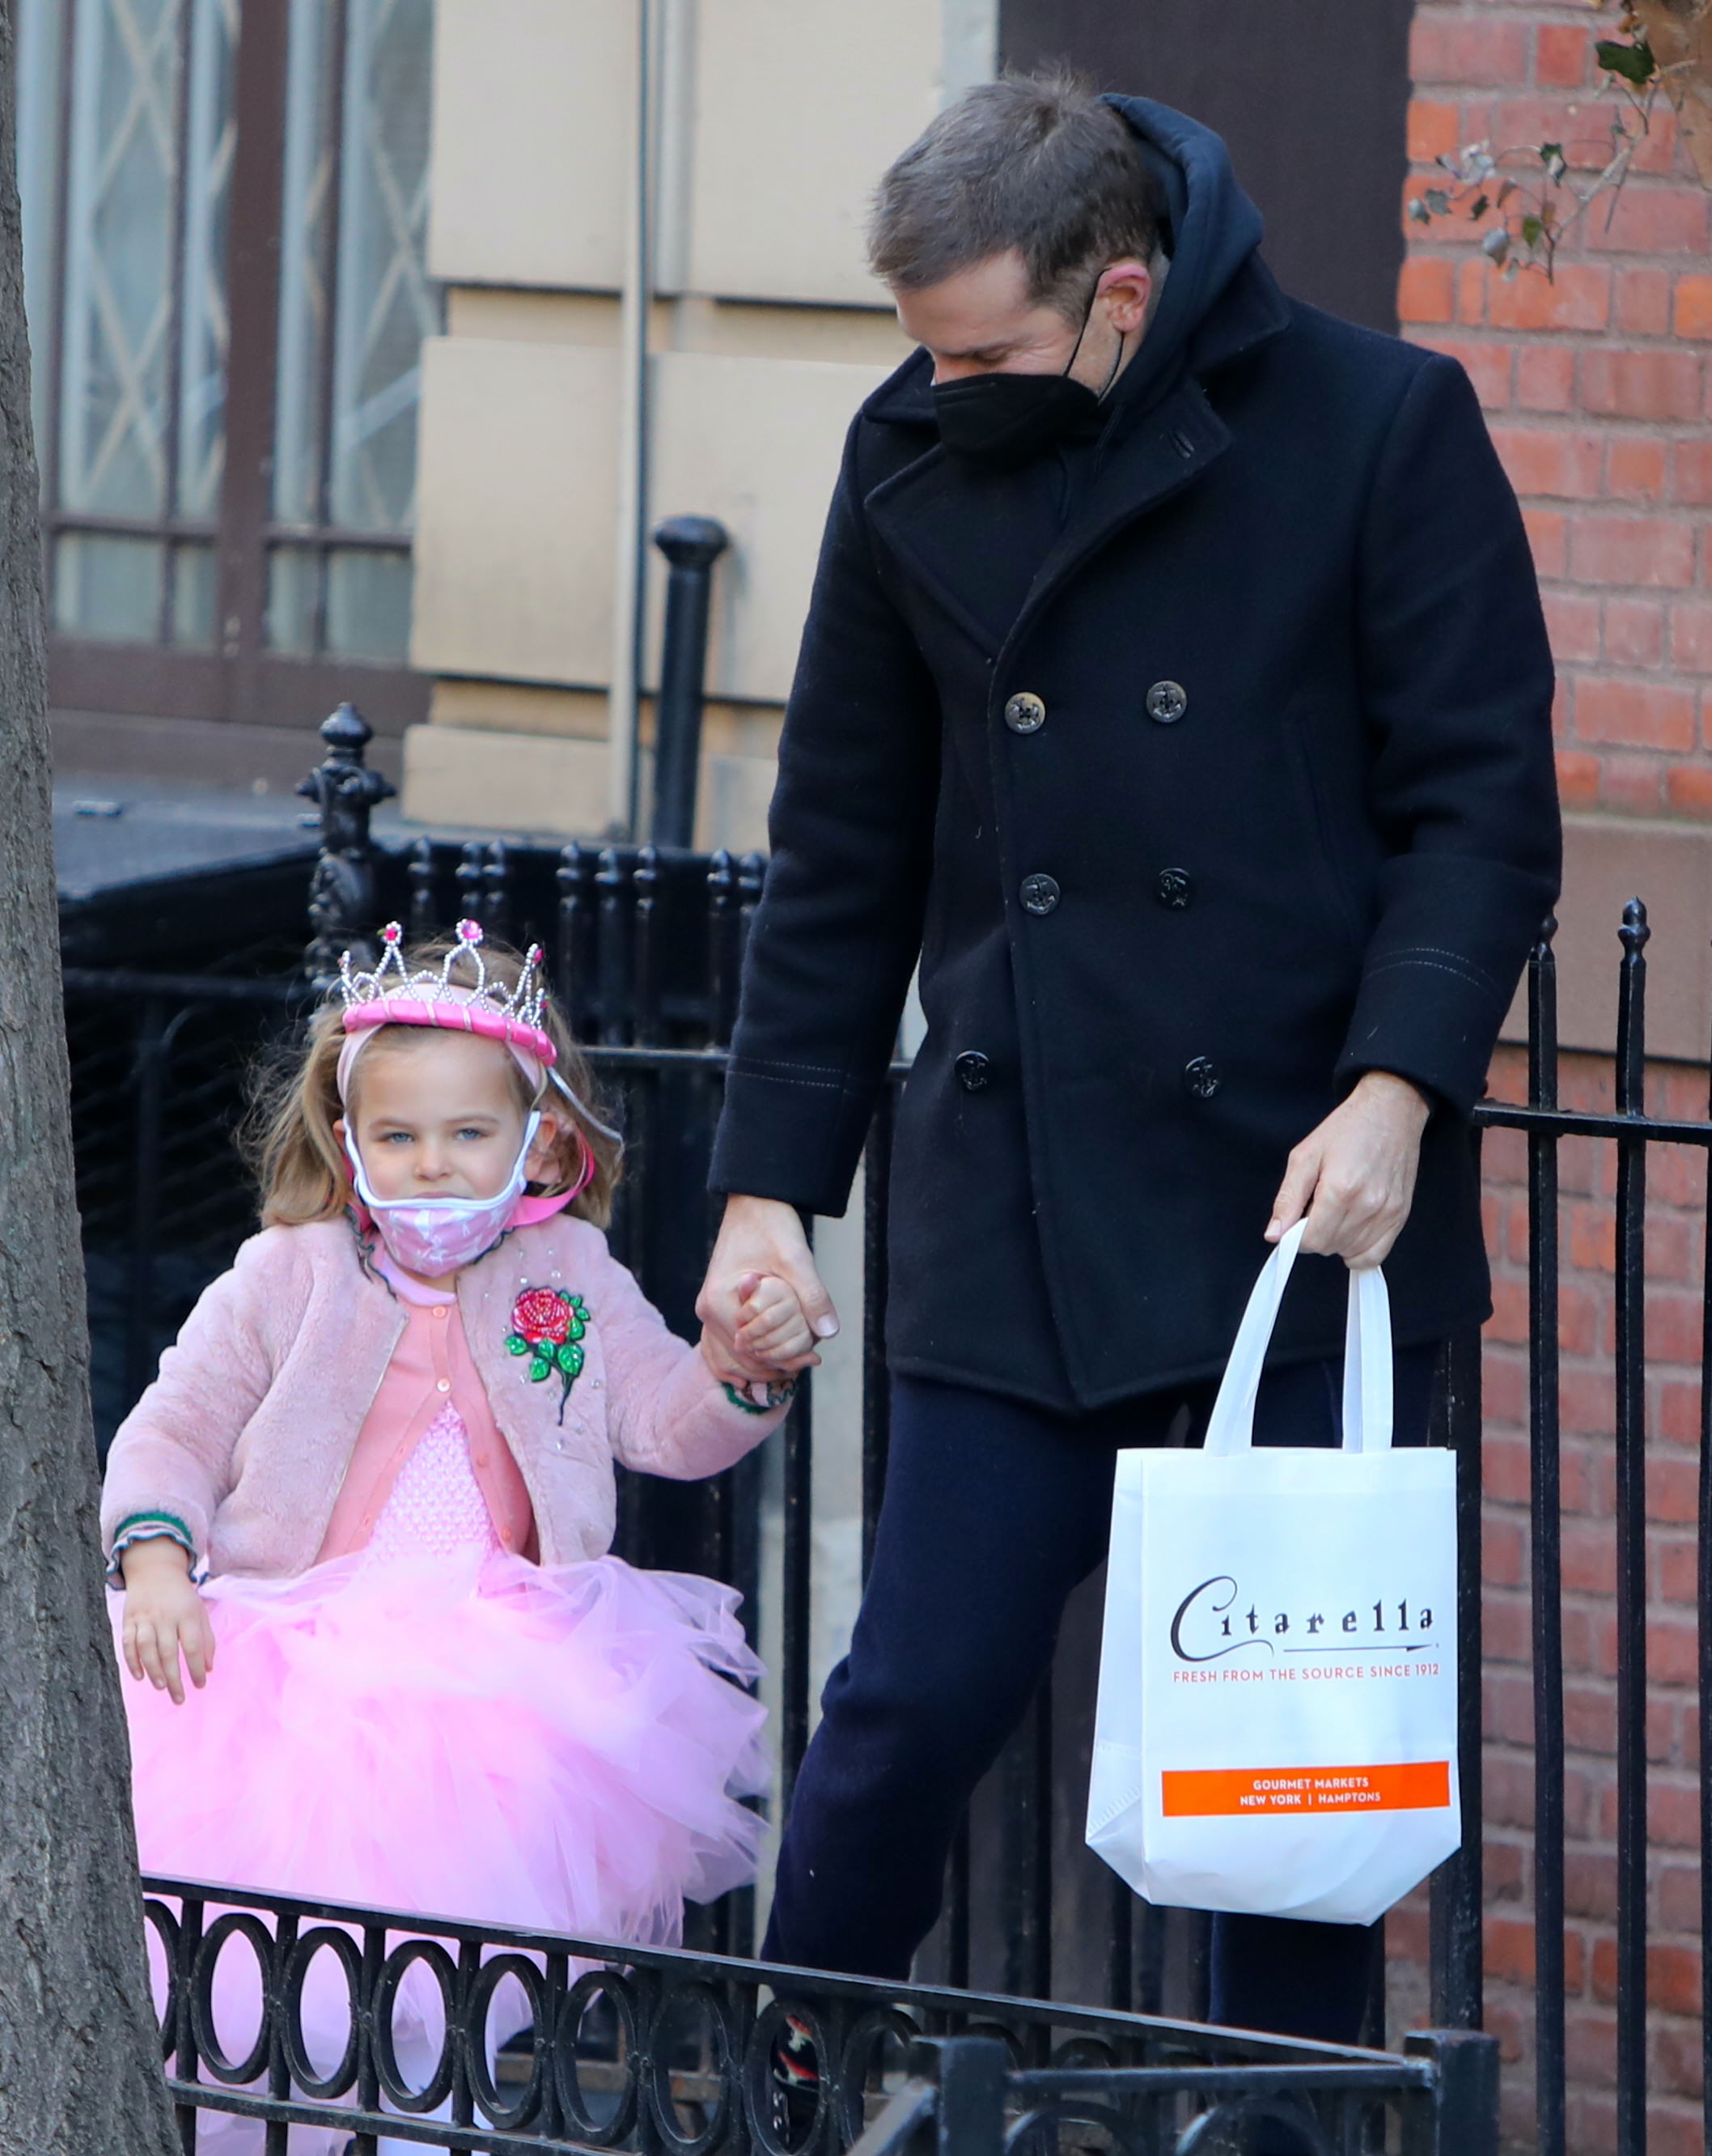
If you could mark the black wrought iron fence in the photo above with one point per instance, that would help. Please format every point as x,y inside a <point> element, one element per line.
<point>646,947</point>
<point>532,2042</point>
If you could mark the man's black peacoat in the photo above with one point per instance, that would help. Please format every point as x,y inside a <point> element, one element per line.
<point>1205,768</point>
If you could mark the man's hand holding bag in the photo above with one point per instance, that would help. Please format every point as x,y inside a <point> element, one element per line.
<point>1276,1730</point>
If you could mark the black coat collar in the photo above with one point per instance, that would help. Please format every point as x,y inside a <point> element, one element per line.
<point>930,514</point>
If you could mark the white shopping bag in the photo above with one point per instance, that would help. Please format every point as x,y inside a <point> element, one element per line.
<point>1276,1729</point>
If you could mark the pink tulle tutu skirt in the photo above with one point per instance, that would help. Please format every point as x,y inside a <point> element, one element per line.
<point>467,1736</point>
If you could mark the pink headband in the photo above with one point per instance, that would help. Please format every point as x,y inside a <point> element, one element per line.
<point>455,1010</point>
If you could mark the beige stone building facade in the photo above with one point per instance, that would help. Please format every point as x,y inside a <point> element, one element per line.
<point>768,121</point>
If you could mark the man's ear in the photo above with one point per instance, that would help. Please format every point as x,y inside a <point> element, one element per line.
<point>1125,288</point>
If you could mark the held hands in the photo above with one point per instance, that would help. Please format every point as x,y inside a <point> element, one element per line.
<point>762,1304</point>
<point>164,1616</point>
<point>1354,1175</point>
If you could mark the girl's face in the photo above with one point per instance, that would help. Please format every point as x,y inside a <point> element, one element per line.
<point>437,1115</point>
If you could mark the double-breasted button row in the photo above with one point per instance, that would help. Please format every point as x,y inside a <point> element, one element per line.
<point>974,1070</point>
<point>1173,888</point>
<point>1039,894</point>
<point>1025,713</point>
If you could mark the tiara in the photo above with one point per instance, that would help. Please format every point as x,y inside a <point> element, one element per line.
<point>390,994</point>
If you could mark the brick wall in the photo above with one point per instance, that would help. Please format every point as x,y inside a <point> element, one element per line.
<point>1598,388</point>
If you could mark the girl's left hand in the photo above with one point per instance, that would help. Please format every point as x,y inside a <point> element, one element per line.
<point>773,1330</point>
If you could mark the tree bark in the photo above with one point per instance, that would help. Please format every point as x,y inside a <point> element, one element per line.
<point>79,2058</point>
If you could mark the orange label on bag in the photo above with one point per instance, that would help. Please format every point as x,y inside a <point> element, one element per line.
<point>1421,1785</point>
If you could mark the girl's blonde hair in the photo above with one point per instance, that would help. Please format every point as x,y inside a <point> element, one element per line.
<point>288,1136</point>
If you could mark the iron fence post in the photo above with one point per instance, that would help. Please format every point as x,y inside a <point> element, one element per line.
<point>970,2071</point>
<point>1462,2119</point>
<point>342,892</point>
<point>691,545</point>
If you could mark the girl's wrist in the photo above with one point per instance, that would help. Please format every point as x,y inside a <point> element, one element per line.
<point>152,1554</point>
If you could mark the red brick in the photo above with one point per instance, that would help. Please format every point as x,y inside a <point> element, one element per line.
<point>1425,291</point>
<point>1641,385</point>
<point>1546,378</point>
<point>1458,49</point>
<point>1671,1653</point>
<point>1678,1890</point>
<point>1634,632</point>
<point>1643,302</point>
<point>1509,1949</point>
<point>1688,789</point>
<point>1471,292</point>
<point>1672,1491</point>
<point>1691,636</point>
<point>1572,621</point>
<point>1675,2065</point>
<point>1693,315</point>
<point>1636,715</point>
<point>1673,1326</point>
<point>1589,1559</point>
<point>1577,779</point>
<point>1643,220</point>
<point>1561,53</point>
<point>1635,469</point>
<point>1691,473</point>
<point>1578,298</point>
<point>1674,1979</point>
<point>1548,535</point>
<point>1631,550</point>
<point>1434,130</point>
<point>1633,785</point>
<point>1555,461</point>
<point>1590,1885</point>
<point>1489,368</point>
<point>1592,2045</point>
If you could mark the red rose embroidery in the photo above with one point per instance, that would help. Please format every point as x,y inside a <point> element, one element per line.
<point>540,1314</point>
<point>548,1325</point>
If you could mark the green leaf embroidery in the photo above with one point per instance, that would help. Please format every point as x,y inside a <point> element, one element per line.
<point>516,1344</point>
<point>571,1360</point>
<point>540,1368</point>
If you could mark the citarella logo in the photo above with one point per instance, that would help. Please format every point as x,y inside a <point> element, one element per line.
<point>1209,1617</point>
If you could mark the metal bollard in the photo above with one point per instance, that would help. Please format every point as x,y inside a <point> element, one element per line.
<point>691,545</point>
<point>342,891</point>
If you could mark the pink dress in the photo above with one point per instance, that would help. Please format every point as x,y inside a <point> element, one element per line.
<point>432,1722</point>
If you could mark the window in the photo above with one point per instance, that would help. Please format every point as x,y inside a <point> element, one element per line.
<point>225,210</point>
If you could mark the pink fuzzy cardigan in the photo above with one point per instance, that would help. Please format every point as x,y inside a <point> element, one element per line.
<point>244,1437</point>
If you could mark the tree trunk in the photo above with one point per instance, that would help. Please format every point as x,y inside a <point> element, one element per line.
<point>79,2058</point>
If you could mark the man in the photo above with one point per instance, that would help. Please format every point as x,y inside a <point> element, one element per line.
<point>1175,688</point>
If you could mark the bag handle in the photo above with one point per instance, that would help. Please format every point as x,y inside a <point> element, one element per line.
<point>1367,1358</point>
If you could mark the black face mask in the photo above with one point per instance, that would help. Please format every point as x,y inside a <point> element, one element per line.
<point>1005,420</point>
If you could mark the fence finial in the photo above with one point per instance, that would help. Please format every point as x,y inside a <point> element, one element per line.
<point>1634,931</point>
<point>342,891</point>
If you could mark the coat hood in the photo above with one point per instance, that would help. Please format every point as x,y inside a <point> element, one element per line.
<point>1219,301</point>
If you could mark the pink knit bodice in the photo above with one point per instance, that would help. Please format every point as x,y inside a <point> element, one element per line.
<point>436,1507</point>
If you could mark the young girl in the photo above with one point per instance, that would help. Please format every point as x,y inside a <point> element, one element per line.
<point>369,1500</point>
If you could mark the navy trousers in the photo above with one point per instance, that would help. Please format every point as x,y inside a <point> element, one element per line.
<point>994,1511</point>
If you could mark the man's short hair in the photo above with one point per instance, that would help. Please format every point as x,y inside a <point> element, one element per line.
<point>1036,162</point>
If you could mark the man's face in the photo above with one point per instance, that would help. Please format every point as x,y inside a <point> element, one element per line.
<point>982,322</point>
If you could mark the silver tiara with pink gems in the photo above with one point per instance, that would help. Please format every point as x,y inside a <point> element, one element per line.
<point>391,994</point>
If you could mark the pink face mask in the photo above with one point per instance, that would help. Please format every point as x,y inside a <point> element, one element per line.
<point>434,1236</point>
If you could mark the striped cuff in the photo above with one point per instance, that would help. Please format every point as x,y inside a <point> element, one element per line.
<point>143,1527</point>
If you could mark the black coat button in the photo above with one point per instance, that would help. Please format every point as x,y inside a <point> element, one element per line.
<point>1203,1078</point>
<point>973,1071</point>
<point>1173,889</point>
<point>1025,713</point>
<point>1040,894</point>
<point>1167,701</point>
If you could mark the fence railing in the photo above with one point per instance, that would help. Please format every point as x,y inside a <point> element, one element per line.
<point>558,2047</point>
<point>646,947</point>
